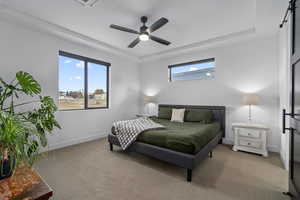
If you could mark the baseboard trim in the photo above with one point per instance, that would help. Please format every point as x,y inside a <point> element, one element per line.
<point>283,160</point>
<point>73,142</point>
<point>228,141</point>
<point>271,148</point>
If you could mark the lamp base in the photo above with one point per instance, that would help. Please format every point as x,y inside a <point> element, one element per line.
<point>249,115</point>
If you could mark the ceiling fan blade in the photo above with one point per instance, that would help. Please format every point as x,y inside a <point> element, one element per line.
<point>159,23</point>
<point>121,28</point>
<point>135,42</point>
<point>159,40</point>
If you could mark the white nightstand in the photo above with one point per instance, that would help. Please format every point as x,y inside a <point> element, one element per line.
<point>250,138</point>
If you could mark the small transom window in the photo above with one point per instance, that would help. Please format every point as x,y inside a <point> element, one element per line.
<point>203,69</point>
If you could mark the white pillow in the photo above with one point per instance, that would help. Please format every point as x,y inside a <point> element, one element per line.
<point>177,115</point>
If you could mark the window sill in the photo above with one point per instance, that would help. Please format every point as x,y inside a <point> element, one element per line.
<point>84,109</point>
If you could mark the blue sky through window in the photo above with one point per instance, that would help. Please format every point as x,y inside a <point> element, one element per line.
<point>97,77</point>
<point>71,75</point>
<point>193,67</point>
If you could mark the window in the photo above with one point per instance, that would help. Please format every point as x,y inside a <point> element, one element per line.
<point>83,82</point>
<point>192,70</point>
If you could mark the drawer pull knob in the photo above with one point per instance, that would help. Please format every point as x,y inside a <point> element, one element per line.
<point>249,143</point>
<point>249,134</point>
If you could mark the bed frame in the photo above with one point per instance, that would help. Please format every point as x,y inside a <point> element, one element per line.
<point>184,160</point>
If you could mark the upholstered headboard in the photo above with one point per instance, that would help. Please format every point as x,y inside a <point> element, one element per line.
<point>218,112</point>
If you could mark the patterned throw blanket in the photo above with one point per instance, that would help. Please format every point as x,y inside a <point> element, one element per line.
<point>128,130</point>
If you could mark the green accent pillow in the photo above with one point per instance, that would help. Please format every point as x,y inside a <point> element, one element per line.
<point>165,113</point>
<point>199,115</point>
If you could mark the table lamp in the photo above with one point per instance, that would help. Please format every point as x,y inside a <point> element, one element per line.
<point>149,102</point>
<point>250,99</point>
<point>149,99</point>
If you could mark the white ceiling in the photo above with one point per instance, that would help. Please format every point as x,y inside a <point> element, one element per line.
<point>190,21</point>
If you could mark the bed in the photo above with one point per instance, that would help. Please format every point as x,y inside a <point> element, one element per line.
<point>182,144</point>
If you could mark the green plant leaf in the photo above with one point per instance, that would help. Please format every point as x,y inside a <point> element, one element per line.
<point>32,148</point>
<point>23,133</point>
<point>1,89</point>
<point>43,140</point>
<point>28,84</point>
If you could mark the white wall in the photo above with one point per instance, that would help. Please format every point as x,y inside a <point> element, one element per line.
<point>37,53</point>
<point>242,67</point>
<point>284,87</point>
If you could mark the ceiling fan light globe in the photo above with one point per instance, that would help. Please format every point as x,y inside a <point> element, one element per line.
<point>144,37</point>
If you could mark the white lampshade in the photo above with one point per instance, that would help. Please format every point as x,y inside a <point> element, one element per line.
<point>250,99</point>
<point>149,99</point>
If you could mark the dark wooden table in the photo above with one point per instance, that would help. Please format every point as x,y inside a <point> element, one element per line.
<point>25,184</point>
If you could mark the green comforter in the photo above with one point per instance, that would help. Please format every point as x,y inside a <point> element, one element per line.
<point>186,137</point>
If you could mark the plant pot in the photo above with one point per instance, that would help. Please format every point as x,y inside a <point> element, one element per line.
<point>7,167</point>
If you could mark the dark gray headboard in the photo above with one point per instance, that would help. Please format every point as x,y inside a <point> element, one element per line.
<point>218,111</point>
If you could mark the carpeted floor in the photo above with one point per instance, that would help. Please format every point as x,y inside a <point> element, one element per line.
<point>90,171</point>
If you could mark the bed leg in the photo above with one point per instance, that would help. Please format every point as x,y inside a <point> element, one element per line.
<point>111,147</point>
<point>189,175</point>
<point>221,141</point>
<point>210,154</point>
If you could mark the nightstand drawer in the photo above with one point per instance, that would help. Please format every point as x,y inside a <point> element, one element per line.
<point>251,144</point>
<point>251,133</point>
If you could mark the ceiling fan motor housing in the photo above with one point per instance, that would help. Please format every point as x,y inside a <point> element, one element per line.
<point>144,19</point>
<point>144,32</point>
<point>144,29</point>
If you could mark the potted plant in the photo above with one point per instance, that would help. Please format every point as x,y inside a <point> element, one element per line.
<point>23,128</point>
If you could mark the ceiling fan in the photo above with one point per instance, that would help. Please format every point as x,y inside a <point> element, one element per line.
<point>145,32</point>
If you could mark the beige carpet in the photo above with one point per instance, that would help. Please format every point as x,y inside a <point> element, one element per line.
<point>90,171</point>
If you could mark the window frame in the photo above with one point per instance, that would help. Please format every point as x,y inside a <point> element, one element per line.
<point>87,60</point>
<point>188,63</point>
